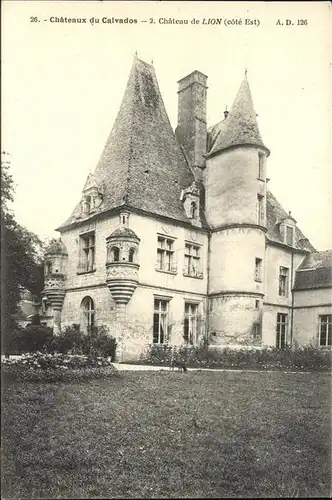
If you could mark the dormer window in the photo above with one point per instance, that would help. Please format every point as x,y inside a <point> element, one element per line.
<point>191,203</point>
<point>193,210</point>
<point>287,229</point>
<point>289,235</point>
<point>92,195</point>
<point>86,206</point>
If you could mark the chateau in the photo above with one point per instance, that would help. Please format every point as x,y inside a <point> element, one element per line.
<point>176,237</point>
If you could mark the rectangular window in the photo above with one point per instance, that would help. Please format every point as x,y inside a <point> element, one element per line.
<point>160,321</point>
<point>289,235</point>
<point>165,255</point>
<point>260,166</point>
<point>282,324</point>
<point>258,269</point>
<point>283,281</point>
<point>190,323</point>
<point>260,210</point>
<point>192,260</point>
<point>325,330</point>
<point>256,330</point>
<point>87,252</point>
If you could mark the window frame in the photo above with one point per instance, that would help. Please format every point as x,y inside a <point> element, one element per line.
<point>260,210</point>
<point>261,166</point>
<point>191,316</point>
<point>281,330</point>
<point>258,269</point>
<point>87,252</point>
<point>328,333</point>
<point>283,289</point>
<point>88,314</point>
<point>165,255</point>
<point>192,254</point>
<point>289,231</point>
<point>162,320</point>
<point>257,330</point>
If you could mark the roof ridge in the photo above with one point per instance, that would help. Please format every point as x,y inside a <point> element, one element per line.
<point>130,152</point>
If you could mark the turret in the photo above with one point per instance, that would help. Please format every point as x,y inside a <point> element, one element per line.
<point>55,271</point>
<point>122,261</point>
<point>235,185</point>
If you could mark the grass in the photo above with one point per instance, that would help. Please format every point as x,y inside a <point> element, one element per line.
<point>168,435</point>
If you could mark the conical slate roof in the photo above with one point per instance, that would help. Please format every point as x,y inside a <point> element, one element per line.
<point>240,127</point>
<point>123,232</point>
<point>142,164</point>
<point>56,246</point>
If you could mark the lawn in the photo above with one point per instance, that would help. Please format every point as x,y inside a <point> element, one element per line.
<point>168,435</point>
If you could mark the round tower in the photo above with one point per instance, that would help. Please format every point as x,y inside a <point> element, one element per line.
<point>55,270</point>
<point>235,184</point>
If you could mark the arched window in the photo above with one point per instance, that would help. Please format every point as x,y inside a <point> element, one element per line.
<point>131,254</point>
<point>115,254</point>
<point>49,268</point>
<point>88,314</point>
<point>193,210</point>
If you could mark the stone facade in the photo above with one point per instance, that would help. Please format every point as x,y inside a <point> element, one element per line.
<point>180,242</point>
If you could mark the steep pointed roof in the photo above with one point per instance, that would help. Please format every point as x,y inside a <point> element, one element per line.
<point>240,127</point>
<point>142,165</point>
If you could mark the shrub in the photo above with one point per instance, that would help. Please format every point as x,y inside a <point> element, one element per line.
<point>41,367</point>
<point>32,338</point>
<point>96,343</point>
<point>102,344</point>
<point>68,340</point>
<point>296,358</point>
<point>71,340</point>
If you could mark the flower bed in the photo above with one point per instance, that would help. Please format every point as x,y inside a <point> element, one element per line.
<point>39,367</point>
<point>307,358</point>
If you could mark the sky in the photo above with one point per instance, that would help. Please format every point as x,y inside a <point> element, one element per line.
<point>62,85</point>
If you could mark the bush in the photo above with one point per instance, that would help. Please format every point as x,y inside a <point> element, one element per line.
<point>296,358</point>
<point>97,343</point>
<point>32,338</point>
<point>41,367</point>
<point>71,340</point>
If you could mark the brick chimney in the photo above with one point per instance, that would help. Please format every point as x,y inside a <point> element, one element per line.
<point>191,131</point>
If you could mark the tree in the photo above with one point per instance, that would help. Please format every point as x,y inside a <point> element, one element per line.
<point>21,258</point>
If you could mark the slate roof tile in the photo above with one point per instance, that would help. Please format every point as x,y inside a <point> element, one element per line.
<point>275,212</point>
<point>142,164</point>
<point>315,271</point>
<point>240,127</point>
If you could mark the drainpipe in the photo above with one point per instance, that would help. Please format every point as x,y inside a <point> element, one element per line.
<point>207,315</point>
<point>292,311</point>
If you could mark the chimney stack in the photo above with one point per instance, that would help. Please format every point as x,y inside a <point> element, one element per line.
<point>191,131</point>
